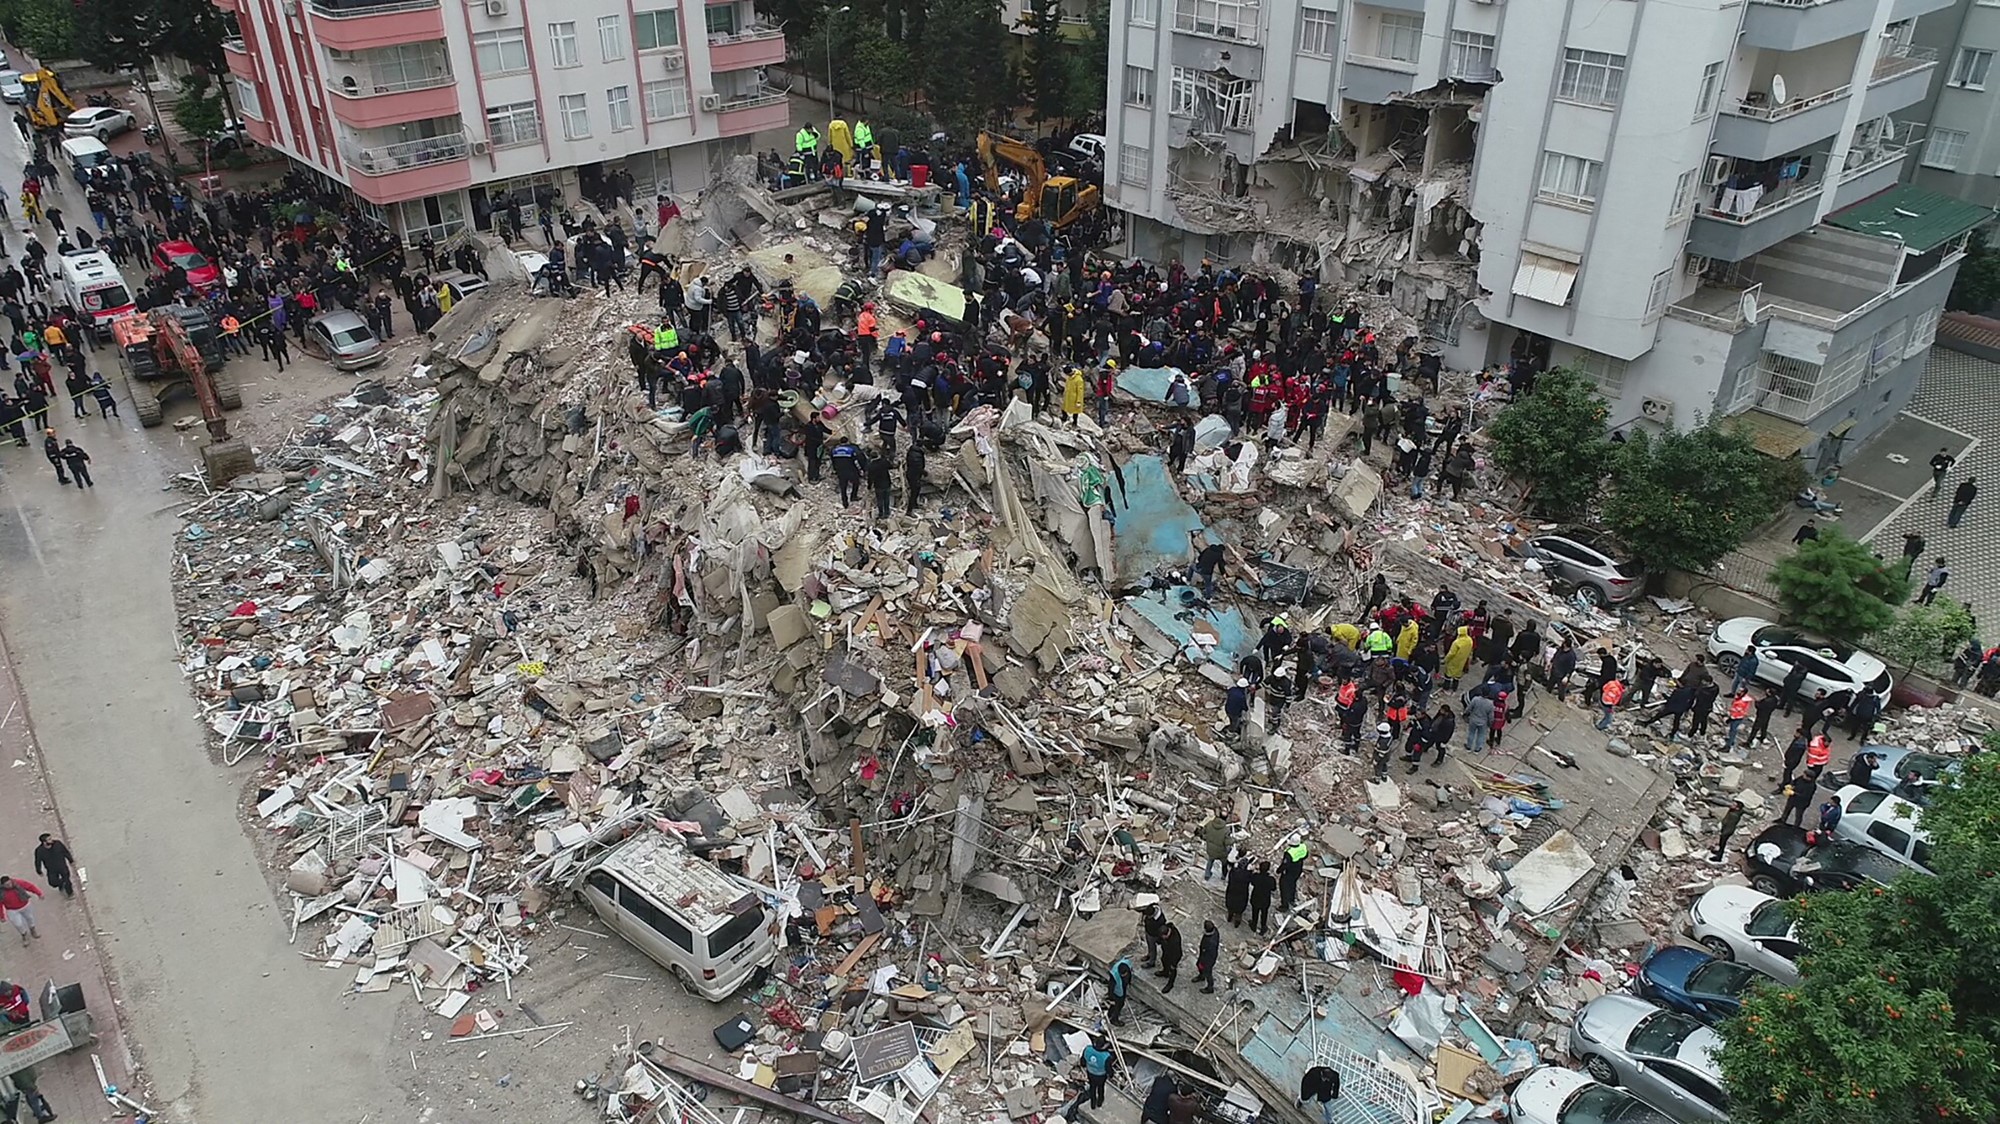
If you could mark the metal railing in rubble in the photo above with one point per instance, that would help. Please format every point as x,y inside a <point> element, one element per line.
<point>1370,1092</point>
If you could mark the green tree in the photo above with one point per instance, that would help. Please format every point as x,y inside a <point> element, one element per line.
<point>131,34</point>
<point>199,107</point>
<point>1895,1018</point>
<point>967,83</point>
<point>1048,69</point>
<point>1926,636</point>
<point>881,68</point>
<point>1554,439</point>
<point>1977,287</point>
<point>1836,586</point>
<point>47,28</point>
<point>1089,63</point>
<point>1682,500</point>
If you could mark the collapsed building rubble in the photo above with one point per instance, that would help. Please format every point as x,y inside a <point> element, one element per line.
<point>477,620</point>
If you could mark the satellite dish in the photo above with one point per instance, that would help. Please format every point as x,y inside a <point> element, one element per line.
<point>1749,307</point>
<point>1777,89</point>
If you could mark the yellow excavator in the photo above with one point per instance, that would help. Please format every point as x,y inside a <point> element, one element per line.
<point>1062,200</point>
<point>47,102</point>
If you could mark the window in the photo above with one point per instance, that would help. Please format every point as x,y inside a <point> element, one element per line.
<point>1711,81</point>
<point>1604,370</point>
<point>1591,77</point>
<point>618,107</point>
<point>721,19</point>
<point>1865,802</point>
<point>1683,198</point>
<point>1398,36</point>
<point>656,29</point>
<point>562,45</point>
<point>500,52</point>
<point>1743,390</point>
<point>1139,86</point>
<point>1238,100</point>
<point>1180,100</point>
<point>1944,148</point>
<point>1224,19</point>
<point>1143,13</point>
<point>665,99</point>
<point>1894,838</point>
<point>655,918</point>
<point>737,929</point>
<point>611,37</point>
<point>509,125</point>
<point>1922,334</point>
<point>247,101</point>
<point>1970,69</point>
<point>1471,57</point>
<point>1887,349</point>
<point>1134,169</point>
<point>1569,179</point>
<point>1656,300</point>
<point>1316,32</point>
<point>1695,1085</point>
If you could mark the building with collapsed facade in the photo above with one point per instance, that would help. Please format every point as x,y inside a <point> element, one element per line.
<point>1697,205</point>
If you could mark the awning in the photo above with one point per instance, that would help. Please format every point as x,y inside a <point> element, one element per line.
<point>1772,436</point>
<point>1545,279</point>
<point>1921,218</point>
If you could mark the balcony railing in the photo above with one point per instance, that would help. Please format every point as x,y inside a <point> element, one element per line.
<point>1766,206</point>
<point>235,43</point>
<point>385,159</point>
<point>1728,316</point>
<point>345,10</point>
<point>747,35</point>
<point>1802,391</point>
<point>357,86</point>
<point>1879,157</point>
<point>1898,61</point>
<point>751,100</point>
<point>1361,59</point>
<point>1893,63</point>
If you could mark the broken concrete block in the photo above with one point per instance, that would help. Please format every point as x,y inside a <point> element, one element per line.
<point>1504,959</point>
<point>1340,840</point>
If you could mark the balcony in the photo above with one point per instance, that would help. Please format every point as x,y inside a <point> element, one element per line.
<point>412,169</point>
<point>758,46</point>
<point>357,26</point>
<point>1756,129</point>
<point>753,113</point>
<point>1721,308</point>
<point>236,56</point>
<point>409,86</point>
<point>1733,225</point>
<point>1901,79</point>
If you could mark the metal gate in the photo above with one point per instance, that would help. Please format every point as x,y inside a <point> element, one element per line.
<point>1370,1093</point>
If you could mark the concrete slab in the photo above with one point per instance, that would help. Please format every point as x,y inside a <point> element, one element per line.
<point>1154,523</point>
<point>1233,632</point>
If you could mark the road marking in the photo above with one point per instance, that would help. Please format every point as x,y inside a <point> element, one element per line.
<point>34,545</point>
<point>1972,438</point>
<point>1920,492</point>
<point>1849,480</point>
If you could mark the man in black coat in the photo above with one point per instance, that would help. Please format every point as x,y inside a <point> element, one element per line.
<point>1206,956</point>
<point>1236,891</point>
<point>1170,955</point>
<point>1262,885</point>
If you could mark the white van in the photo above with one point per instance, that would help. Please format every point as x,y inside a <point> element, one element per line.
<point>89,282</point>
<point>711,930</point>
<point>83,154</point>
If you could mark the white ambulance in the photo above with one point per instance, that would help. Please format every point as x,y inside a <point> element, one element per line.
<point>87,281</point>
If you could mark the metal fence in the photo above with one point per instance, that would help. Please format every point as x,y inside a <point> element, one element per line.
<point>1747,571</point>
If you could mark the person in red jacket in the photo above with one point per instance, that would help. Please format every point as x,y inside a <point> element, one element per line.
<point>15,903</point>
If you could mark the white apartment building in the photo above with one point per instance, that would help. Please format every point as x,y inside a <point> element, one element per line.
<point>1961,151</point>
<point>1696,202</point>
<point>436,113</point>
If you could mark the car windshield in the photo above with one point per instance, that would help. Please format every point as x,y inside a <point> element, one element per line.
<point>1601,1104</point>
<point>189,260</point>
<point>1769,920</point>
<point>1720,977</point>
<point>1845,856</point>
<point>359,333</point>
<point>1927,767</point>
<point>1780,636</point>
<point>734,931</point>
<point>1660,1034</point>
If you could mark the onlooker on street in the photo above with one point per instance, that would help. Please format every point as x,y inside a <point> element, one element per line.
<point>1961,501</point>
<point>1934,581</point>
<point>20,910</point>
<point>1730,821</point>
<point>52,861</point>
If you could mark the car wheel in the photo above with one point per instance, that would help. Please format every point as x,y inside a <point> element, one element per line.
<point>1727,661</point>
<point>1600,1070</point>
<point>1765,884</point>
<point>1719,948</point>
<point>686,982</point>
<point>1592,595</point>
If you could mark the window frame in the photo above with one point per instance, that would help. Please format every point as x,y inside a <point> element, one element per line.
<point>1125,177</point>
<point>1397,24</point>
<point>1324,24</point>
<point>615,97</point>
<point>1247,19</point>
<point>1963,60</point>
<point>1578,62</point>
<point>559,57</point>
<point>1461,44</point>
<point>1143,13</point>
<point>1686,192</point>
<point>1656,296</point>
<point>1707,93</point>
<point>499,40</point>
<point>514,112</point>
<point>651,18</point>
<point>1930,159</point>
<point>648,92</point>
<point>1588,174</point>
<point>611,39</point>
<point>707,15</point>
<point>1139,82</point>
<point>1183,92</point>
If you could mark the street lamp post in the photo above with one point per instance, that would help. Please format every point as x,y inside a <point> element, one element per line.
<point>831,112</point>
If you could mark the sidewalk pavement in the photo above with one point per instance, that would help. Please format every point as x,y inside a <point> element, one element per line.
<point>68,951</point>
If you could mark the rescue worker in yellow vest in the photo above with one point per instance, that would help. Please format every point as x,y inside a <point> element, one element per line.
<point>447,296</point>
<point>795,169</point>
<point>864,147</point>
<point>666,338</point>
<point>806,143</point>
<point>984,216</point>
<point>1289,869</point>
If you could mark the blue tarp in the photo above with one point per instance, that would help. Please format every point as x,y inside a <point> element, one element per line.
<point>1153,521</point>
<point>1235,634</point>
<point>1149,384</point>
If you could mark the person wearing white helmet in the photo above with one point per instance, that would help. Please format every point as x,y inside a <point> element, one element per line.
<point>1385,746</point>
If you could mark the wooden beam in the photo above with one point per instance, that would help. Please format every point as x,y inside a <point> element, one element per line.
<point>728,1082</point>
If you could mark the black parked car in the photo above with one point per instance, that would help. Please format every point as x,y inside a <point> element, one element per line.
<point>1783,862</point>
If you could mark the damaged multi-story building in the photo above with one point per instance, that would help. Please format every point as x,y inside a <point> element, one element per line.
<point>1698,204</point>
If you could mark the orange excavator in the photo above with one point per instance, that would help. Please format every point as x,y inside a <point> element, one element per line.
<point>1062,200</point>
<point>173,348</point>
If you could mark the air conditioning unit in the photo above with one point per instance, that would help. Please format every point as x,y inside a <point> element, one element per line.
<point>711,102</point>
<point>675,62</point>
<point>1718,171</point>
<point>338,55</point>
<point>1657,409</point>
<point>481,148</point>
<point>1696,265</point>
<point>496,7</point>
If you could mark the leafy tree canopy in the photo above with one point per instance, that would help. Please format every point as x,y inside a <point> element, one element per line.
<point>1977,286</point>
<point>1926,636</point>
<point>1836,586</point>
<point>1682,500</point>
<point>1553,438</point>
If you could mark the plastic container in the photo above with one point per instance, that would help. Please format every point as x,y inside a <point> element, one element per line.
<point>920,175</point>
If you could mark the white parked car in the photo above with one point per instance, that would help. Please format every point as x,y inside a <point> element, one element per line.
<point>11,90</point>
<point>100,121</point>
<point>1751,928</point>
<point>1663,1057</point>
<point>1830,666</point>
<point>1554,1095</point>
<point>1884,823</point>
